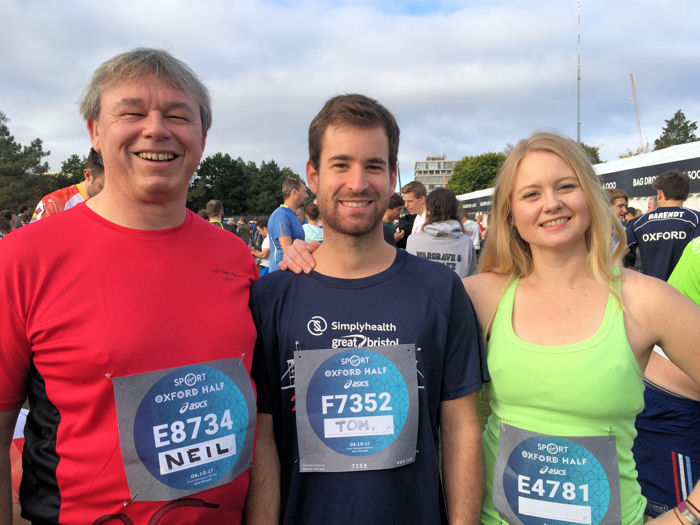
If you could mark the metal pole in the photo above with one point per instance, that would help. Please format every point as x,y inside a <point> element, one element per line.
<point>578,79</point>
<point>636,113</point>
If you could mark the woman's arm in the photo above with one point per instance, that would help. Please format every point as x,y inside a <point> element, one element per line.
<point>676,517</point>
<point>485,291</point>
<point>657,313</point>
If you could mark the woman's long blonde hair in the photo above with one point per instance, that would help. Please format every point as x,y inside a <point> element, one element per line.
<point>507,253</point>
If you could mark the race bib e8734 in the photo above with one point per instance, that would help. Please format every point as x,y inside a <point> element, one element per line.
<point>184,430</point>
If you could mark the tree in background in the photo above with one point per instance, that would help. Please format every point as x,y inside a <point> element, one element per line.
<point>21,169</point>
<point>72,168</point>
<point>475,173</point>
<point>267,187</point>
<point>592,152</point>
<point>222,177</point>
<point>629,153</point>
<point>242,187</point>
<point>678,130</point>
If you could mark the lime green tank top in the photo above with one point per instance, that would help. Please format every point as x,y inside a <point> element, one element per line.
<point>686,275</point>
<point>591,388</point>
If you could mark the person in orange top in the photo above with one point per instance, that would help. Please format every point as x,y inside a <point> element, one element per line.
<point>68,197</point>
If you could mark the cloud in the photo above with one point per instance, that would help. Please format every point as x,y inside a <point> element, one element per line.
<point>462,78</point>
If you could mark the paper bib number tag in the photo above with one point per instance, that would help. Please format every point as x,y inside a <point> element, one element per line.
<point>184,430</point>
<point>542,479</point>
<point>356,409</point>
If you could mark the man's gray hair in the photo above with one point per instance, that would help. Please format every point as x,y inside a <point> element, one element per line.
<point>138,64</point>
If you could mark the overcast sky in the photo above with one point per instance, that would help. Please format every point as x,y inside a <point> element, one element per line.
<point>462,78</point>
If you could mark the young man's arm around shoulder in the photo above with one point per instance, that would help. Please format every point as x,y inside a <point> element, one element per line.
<point>462,459</point>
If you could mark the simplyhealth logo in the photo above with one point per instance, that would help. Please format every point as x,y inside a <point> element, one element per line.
<point>317,325</point>
<point>354,332</point>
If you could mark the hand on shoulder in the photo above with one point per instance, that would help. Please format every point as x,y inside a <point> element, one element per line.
<point>298,257</point>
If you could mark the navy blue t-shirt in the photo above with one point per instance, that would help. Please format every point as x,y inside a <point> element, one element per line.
<point>662,235</point>
<point>414,301</point>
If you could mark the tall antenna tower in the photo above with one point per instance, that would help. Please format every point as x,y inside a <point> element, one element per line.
<point>636,114</point>
<point>578,79</point>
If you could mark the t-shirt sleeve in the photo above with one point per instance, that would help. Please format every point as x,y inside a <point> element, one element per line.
<point>15,350</point>
<point>264,370</point>
<point>465,361</point>
<point>411,243</point>
<point>686,275</point>
<point>631,236</point>
<point>44,208</point>
<point>284,226</point>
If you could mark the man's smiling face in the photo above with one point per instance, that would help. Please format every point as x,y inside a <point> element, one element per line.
<point>352,182</point>
<point>151,138</point>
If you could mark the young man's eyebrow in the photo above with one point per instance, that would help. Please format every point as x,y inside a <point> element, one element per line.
<point>371,160</point>
<point>340,157</point>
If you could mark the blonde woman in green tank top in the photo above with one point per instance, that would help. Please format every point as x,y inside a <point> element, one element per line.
<point>569,335</point>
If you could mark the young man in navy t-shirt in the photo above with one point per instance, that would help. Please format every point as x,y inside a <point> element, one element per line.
<point>366,364</point>
<point>662,234</point>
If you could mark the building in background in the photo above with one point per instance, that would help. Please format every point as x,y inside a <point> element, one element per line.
<point>434,172</point>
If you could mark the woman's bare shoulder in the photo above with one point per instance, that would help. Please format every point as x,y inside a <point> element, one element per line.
<point>486,282</point>
<point>649,299</point>
<point>639,289</point>
<point>485,291</point>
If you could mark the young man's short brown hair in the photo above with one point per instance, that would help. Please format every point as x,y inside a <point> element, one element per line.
<point>415,187</point>
<point>674,185</point>
<point>291,184</point>
<point>214,208</point>
<point>615,194</point>
<point>354,110</point>
<point>395,201</point>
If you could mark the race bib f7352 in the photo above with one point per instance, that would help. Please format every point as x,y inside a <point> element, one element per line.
<point>357,409</point>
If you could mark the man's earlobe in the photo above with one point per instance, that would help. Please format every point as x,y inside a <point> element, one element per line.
<point>94,132</point>
<point>312,176</point>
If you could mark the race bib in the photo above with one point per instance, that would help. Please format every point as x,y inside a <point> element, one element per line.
<point>184,430</point>
<point>541,479</point>
<point>356,409</point>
